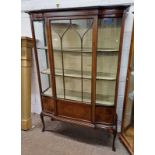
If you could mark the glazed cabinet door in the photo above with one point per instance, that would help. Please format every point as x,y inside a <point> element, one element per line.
<point>71,40</point>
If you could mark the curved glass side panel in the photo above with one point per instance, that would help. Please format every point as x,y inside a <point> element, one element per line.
<point>42,53</point>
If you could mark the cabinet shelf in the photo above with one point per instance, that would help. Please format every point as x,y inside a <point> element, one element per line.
<point>42,48</point>
<point>77,74</point>
<point>106,103</point>
<point>106,76</point>
<point>107,50</point>
<point>78,50</point>
<point>87,50</point>
<point>74,50</point>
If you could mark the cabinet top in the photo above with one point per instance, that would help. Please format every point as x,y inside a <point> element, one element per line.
<point>118,7</point>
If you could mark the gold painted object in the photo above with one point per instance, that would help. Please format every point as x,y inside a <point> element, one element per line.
<point>26,64</point>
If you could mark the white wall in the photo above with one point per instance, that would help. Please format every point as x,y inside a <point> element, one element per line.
<point>26,31</point>
<point>42,4</point>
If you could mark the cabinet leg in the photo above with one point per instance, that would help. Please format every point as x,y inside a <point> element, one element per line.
<point>114,138</point>
<point>43,123</point>
<point>114,133</point>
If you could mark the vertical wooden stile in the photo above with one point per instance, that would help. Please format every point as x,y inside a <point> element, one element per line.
<point>51,58</point>
<point>94,57</point>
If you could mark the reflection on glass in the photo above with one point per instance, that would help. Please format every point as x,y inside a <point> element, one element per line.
<point>72,49</point>
<point>42,53</point>
<point>107,59</point>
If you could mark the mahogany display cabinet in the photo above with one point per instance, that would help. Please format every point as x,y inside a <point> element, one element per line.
<point>78,55</point>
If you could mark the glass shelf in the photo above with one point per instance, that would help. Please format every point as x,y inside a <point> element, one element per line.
<point>105,76</point>
<point>105,103</point>
<point>77,74</point>
<point>107,50</point>
<point>42,48</point>
<point>77,50</point>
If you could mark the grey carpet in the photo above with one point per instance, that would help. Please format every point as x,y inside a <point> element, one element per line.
<point>67,139</point>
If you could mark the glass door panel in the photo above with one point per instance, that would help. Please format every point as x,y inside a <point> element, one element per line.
<point>72,49</point>
<point>87,65</point>
<point>60,89</point>
<point>72,64</point>
<point>58,63</point>
<point>42,53</point>
<point>87,70</point>
<point>105,92</point>
<point>109,34</point>
<point>107,59</point>
<point>73,89</point>
<point>107,65</point>
<point>87,90</point>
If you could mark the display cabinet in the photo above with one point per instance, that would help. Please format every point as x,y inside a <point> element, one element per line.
<point>78,54</point>
<point>127,132</point>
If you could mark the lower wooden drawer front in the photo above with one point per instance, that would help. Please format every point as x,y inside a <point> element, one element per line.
<point>104,114</point>
<point>48,104</point>
<point>74,110</point>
